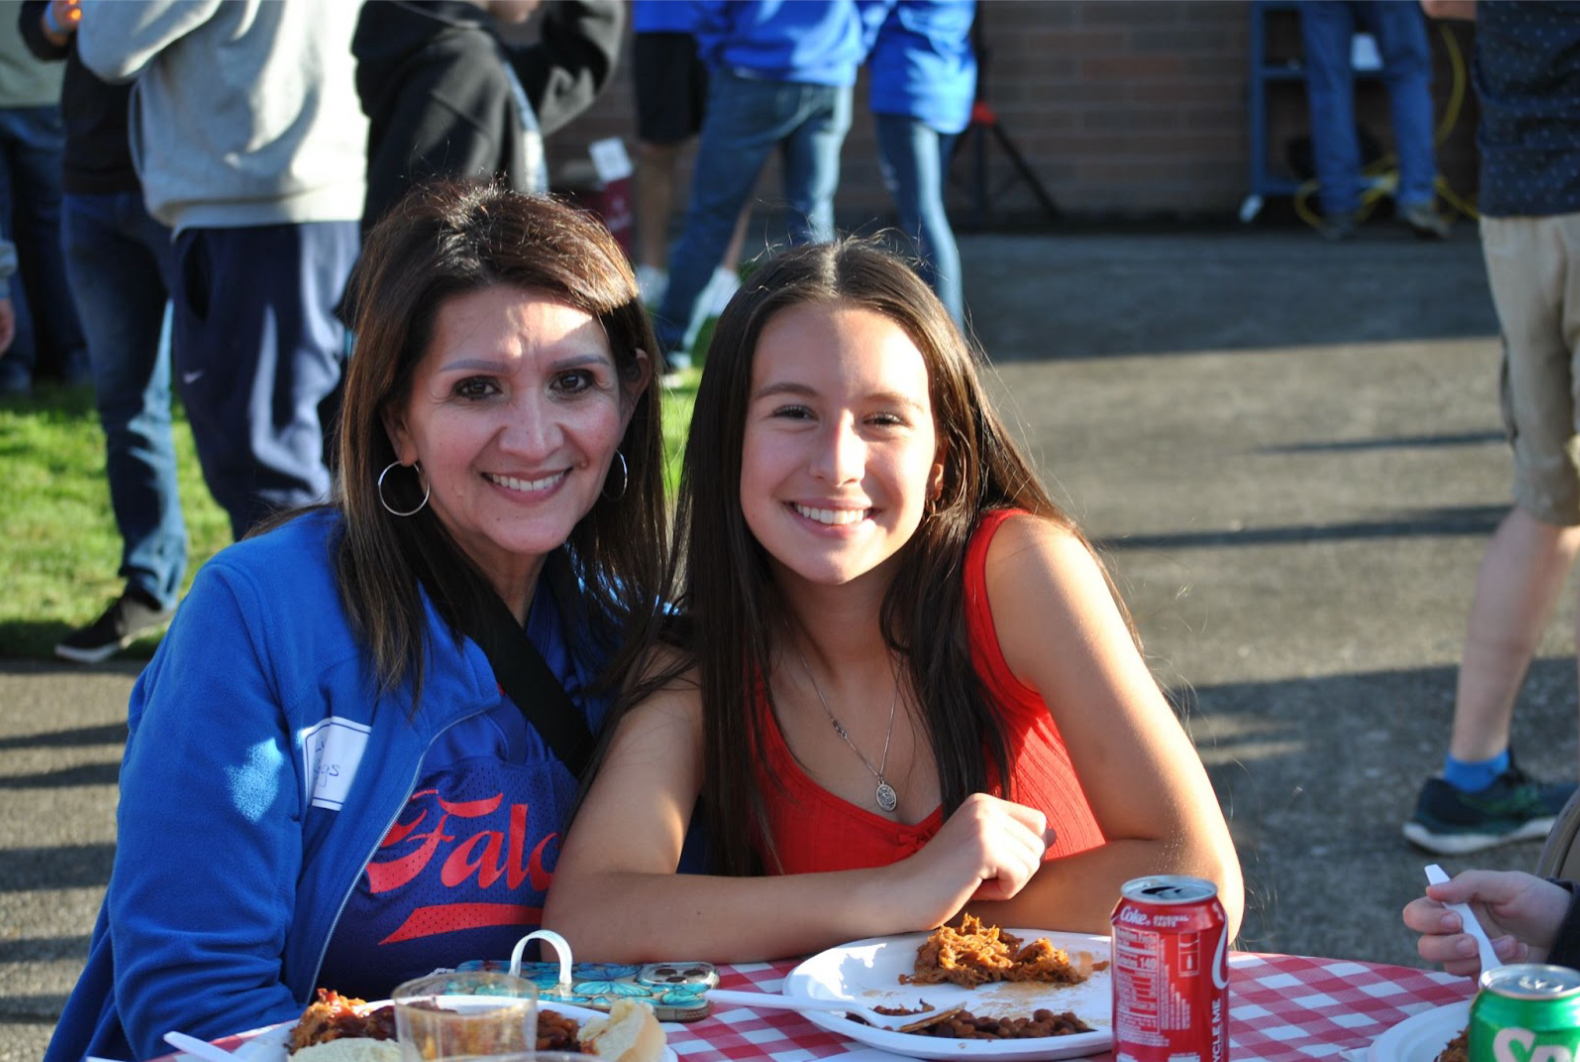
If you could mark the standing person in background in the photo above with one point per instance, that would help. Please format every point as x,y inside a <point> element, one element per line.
<point>923,81</point>
<point>249,144</point>
<point>120,264</point>
<point>1327,27</point>
<point>779,77</point>
<point>445,96</point>
<point>48,340</point>
<point>671,90</point>
<point>1527,76</point>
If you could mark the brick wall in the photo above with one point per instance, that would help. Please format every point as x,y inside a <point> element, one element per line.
<point>1130,109</point>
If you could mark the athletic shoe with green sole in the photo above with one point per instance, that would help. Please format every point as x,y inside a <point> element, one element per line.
<point>1515,807</point>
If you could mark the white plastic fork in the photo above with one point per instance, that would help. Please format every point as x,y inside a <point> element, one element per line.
<point>198,1048</point>
<point>891,1022</point>
<point>1435,875</point>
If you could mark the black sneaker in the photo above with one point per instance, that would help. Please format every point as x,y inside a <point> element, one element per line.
<point>1515,807</point>
<point>131,616</point>
<point>1336,228</point>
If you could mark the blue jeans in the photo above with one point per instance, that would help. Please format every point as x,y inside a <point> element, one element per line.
<point>48,337</point>
<point>746,120</point>
<point>915,158</point>
<point>258,355</point>
<point>1327,26</point>
<point>120,262</point>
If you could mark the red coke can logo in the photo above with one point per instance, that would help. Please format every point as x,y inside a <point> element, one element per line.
<point>1170,971</point>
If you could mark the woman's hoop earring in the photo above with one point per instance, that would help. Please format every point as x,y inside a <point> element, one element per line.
<point>625,480</point>
<point>417,467</point>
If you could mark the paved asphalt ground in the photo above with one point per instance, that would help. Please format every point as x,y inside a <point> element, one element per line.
<point>1292,453</point>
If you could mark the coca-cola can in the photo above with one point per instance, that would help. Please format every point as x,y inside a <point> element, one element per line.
<point>1170,971</point>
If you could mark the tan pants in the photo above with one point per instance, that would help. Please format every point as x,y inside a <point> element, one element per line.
<point>1533,264</point>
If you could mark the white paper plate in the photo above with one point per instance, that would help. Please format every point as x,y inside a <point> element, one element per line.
<point>869,971</point>
<point>1421,1037</point>
<point>268,1044</point>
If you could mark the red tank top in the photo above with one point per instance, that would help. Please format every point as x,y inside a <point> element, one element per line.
<point>814,830</point>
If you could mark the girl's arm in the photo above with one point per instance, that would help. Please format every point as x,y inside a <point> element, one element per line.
<point>1063,635</point>
<point>616,896</point>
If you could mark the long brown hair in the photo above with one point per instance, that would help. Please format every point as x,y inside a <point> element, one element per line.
<point>442,240</point>
<point>726,585</point>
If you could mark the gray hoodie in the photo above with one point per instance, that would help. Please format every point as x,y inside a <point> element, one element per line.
<point>245,111</point>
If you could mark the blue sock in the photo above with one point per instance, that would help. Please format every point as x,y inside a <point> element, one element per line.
<point>1472,776</point>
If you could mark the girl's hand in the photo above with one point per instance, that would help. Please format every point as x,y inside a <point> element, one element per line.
<point>987,850</point>
<point>1520,912</point>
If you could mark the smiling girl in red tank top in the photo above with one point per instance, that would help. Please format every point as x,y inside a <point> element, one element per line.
<point>887,620</point>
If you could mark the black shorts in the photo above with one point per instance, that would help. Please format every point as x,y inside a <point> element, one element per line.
<point>671,87</point>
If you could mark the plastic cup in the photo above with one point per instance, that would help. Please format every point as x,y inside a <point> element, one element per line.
<point>448,1017</point>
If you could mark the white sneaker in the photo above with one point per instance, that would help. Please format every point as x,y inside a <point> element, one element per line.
<point>651,282</point>
<point>721,288</point>
<point>676,364</point>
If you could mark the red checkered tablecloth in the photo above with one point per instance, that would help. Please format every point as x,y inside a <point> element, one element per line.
<point>1283,1008</point>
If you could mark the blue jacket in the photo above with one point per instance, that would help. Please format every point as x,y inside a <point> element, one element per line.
<point>239,840</point>
<point>814,42</point>
<point>922,64</point>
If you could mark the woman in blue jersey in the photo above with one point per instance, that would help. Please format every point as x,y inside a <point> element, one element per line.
<point>351,759</point>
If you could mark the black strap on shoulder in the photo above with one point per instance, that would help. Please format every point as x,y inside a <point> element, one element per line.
<point>525,678</point>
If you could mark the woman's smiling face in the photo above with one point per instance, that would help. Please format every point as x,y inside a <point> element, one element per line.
<point>515,413</point>
<point>840,453</point>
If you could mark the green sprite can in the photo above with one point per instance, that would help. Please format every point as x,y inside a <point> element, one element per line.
<point>1526,1013</point>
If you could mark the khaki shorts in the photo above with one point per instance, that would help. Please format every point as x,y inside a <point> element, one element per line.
<point>1533,265</point>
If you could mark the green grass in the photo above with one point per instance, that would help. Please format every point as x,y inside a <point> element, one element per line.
<point>59,548</point>
<point>58,542</point>
<point>678,398</point>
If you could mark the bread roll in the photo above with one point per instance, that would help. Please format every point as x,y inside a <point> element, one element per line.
<point>629,1034</point>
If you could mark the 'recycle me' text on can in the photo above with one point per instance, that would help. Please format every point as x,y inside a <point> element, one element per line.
<point>1526,1012</point>
<point>1170,971</point>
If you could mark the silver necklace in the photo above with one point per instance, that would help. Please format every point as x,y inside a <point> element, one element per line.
<point>886,797</point>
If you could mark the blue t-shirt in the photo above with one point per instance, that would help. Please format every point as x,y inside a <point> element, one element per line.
<point>463,870</point>
<point>1527,77</point>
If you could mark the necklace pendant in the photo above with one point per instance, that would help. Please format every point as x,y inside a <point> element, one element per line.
<point>886,797</point>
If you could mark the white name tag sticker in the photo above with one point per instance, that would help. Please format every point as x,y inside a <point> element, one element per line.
<point>331,751</point>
